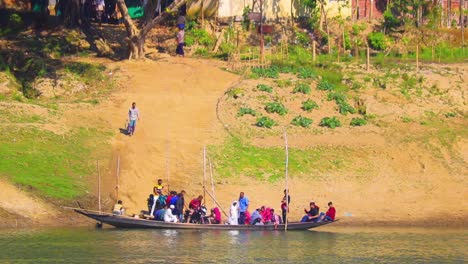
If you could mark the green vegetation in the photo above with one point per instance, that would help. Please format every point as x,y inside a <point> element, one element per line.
<point>265,88</point>
<point>265,121</point>
<point>331,122</point>
<point>87,72</point>
<point>276,107</point>
<point>342,102</point>
<point>356,121</point>
<point>309,105</point>
<point>284,83</point>
<point>306,73</point>
<point>271,72</point>
<point>53,166</point>
<point>198,36</point>
<point>246,111</point>
<point>302,88</point>
<point>377,40</point>
<point>235,93</point>
<point>235,158</point>
<point>324,85</point>
<point>302,121</point>
<point>450,114</point>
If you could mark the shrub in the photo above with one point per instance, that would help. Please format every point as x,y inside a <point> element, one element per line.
<point>275,107</point>
<point>358,122</point>
<point>309,105</point>
<point>377,40</point>
<point>450,114</point>
<point>302,38</point>
<point>324,85</point>
<point>302,88</point>
<point>306,73</point>
<point>265,88</point>
<point>246,111</point>
<point>330,122</point>
<point>301,121</point>
<point>265,121</point>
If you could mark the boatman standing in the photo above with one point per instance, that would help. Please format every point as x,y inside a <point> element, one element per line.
<point>243,207</point>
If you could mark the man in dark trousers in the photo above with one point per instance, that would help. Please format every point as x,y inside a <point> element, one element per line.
<point>285,205</point>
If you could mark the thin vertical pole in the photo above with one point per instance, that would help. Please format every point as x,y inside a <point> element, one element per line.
<point>286,176</point>
<point>118,176</point>
<point>204,175</point>
<point>314,50</point>
<point>417,57</point>
<point>168,157</point>
<point>368,58</point>
<point>99,185</point>
<point>212,180</point>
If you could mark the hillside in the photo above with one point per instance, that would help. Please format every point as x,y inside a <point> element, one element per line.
<point>407,165</point>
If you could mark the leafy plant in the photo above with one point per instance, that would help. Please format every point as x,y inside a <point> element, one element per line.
<point>331,122</point>
<point>406,119</point>
<point>377,40</point>
<point>450,114</point>
<point>309,105</point>
<point>271,72</point>
<point>342,102</point>
<point>265,121</point>
<point>302,88</point>
<point>302,38</point>
<point>301,121</point>
<point>246,111</point>
<point>276,107</point>
<point>306,73</point>
<point>324,85</point>
<point>265,88</point>
<point>283,83</point>
<point>358,122</point>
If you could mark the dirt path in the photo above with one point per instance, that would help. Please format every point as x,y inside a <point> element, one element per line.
<point>178,110</point>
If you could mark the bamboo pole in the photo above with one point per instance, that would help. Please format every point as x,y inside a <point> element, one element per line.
<point>286,176</point>
<point>368,58</point>
<point>204,175</point>
<point>314,50</point>
<point>118,177</point>
<point>212,179</point>
<point>417,57</point>
<point>99,186</point>
<point>217,203</point>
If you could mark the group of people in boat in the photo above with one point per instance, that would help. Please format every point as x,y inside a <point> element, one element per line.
<point>170,208</point>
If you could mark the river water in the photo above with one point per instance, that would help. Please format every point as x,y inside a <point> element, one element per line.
<point>326,245</point>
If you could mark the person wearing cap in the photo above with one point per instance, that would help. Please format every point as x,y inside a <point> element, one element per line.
<point>168,216</point>
<point>312,214</point>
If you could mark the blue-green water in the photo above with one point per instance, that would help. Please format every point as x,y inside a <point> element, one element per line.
<point>331,245</point>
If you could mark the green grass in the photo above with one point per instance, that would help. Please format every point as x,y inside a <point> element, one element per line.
<point>236,158</point>
<point>19,117</point>
<point>50,165</point>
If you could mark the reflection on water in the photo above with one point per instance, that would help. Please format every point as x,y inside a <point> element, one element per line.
<point>82,245</point>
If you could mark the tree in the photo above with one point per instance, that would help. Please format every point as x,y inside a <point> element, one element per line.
<point>136,35</point>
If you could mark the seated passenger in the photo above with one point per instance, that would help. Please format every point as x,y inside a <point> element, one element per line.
<point>215,217</point>
<point>311,215</point>
<point>159,214</point>
<point>275,218</point>
<point>331,212</point>
<point>266,215</point>
<point>118,208</point>
<point>256,218</point>
<point>169,217</point>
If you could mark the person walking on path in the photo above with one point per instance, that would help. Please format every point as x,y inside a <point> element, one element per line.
<point>243,207</point>
<point>133,116</point>
<point>180,42</point>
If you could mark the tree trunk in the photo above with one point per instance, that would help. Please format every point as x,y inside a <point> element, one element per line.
<point>136,37</point>
<point>70,12</point>
<point>462,24</point>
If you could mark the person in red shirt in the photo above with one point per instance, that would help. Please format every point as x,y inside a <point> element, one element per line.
<point>330,216</point>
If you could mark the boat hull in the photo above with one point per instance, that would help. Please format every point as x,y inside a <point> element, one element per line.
<point>130,222</point>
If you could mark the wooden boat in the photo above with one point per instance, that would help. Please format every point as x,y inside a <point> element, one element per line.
<point>131,222</point>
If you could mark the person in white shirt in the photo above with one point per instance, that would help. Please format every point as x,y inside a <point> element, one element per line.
<point>168,216</point>
<point>133,116</point>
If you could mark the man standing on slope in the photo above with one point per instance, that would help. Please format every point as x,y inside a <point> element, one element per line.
<point>243,207</point>
<point>133,116</point>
